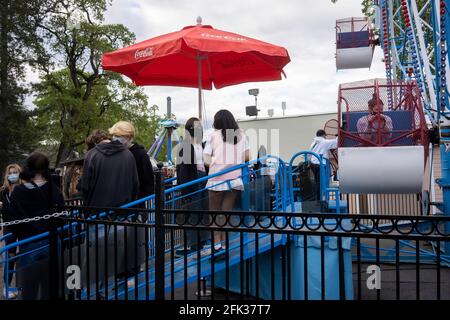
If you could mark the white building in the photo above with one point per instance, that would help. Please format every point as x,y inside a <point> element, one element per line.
<point>284,136</point>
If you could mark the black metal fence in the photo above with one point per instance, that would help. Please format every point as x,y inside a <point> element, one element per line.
<point>283,256</point>
<point>134,254</point>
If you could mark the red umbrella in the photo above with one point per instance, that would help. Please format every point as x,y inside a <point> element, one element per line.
<point>198,56</point>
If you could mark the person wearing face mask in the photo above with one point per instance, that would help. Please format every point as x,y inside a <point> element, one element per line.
<point>36,196</point>
<point>109,175</point>
<point>191,166</point>
<point>125,132</point>
<point>110,179</point>
<point>11,180</point>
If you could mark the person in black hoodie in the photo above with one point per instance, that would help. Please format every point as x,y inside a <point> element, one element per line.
<point>125,132</point>
<point>110,180</point>
<point>36,197</point>
<point>109,175</point>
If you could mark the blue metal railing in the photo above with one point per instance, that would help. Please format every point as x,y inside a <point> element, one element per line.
<point>280,204</point>
<point>293,169</point>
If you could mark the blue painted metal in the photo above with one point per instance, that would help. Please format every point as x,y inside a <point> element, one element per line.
<point>156,143</point>
<point>443,91</point>
<point>167,127</point>
<point>291,170</point>
<point>434,17</point>
<point>444,182</point>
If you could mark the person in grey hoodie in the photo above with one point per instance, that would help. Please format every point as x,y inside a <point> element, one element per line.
<point>109,175</point>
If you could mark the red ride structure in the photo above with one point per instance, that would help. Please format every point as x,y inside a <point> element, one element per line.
<point>368,117</point>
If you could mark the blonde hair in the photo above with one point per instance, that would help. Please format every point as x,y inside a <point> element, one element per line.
<point>123,129</point>
<point>6,183</point>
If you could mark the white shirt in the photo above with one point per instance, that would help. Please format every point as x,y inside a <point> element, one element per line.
<point>322,147</point>
<point>199,157</point>
<point>223,156</point>
<point>368,126</point>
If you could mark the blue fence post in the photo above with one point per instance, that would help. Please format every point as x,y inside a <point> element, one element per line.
<point>245,203</point>
<point>7,275</point>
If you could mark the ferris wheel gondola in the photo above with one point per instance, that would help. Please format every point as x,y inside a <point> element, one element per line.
<point>354,43</point>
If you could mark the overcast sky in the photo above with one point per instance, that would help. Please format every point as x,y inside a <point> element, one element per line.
<point>304,27</point>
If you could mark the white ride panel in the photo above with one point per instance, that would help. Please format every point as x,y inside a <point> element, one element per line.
<point>381,169</point>
<point>354,58</point>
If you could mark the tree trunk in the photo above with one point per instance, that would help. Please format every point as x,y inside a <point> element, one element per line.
<point>63,151</point>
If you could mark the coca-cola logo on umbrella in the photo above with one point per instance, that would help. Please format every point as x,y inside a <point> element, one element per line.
<point>147,52</point>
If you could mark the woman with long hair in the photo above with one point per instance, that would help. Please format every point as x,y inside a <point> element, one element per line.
<point>10,181</point>
<point>37,196</point>
<point>226,147</point>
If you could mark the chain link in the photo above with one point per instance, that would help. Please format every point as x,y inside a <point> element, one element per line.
<point>34,219</point>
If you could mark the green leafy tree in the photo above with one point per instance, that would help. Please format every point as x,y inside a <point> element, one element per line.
<point>18,41</point>
<point>65,119</point>
<point>76,95</point>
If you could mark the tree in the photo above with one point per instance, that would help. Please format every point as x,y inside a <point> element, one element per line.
<point>65,119</point>
<point>75,95</point>
<point>18,38</point>
<point>367,8</point>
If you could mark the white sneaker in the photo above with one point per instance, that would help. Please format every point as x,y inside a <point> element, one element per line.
<point>12,293</point>
<point>206,293</point>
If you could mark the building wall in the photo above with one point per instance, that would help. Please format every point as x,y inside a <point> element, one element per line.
<point>295,132</point>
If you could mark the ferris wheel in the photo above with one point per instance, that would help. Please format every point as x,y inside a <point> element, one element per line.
<point>410,106</point>
<point>413,36</point>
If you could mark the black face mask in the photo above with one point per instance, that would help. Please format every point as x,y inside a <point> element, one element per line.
<point>191,131</point>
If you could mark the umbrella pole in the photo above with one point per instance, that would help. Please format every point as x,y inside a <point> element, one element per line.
<point>199,64</point>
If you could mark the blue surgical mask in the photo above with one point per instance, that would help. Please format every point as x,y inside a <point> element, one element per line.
<point>13,178</point>
<point>122,140</point>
